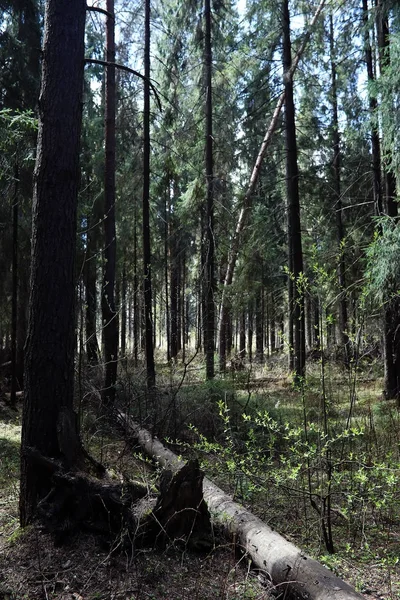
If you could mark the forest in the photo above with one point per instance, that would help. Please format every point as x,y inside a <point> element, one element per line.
<point>200,300</point>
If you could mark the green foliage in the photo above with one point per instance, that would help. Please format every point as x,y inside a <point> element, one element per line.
<point>383,261</point>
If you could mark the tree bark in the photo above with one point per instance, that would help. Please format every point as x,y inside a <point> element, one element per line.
<point>296,293</point>
<point>109,313</point>
<point>49,364</point>
<point>297,574</point>
<point>344,339</point>
<point>14,300</point>
<point>209,330</point>
<point>149,349</point>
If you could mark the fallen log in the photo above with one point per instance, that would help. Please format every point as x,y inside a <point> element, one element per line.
<point>298,576</point>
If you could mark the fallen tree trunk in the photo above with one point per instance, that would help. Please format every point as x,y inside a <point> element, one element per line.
<point>301,577</point>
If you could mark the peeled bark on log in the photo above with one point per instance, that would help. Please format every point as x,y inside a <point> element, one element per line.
<point>301,576</point>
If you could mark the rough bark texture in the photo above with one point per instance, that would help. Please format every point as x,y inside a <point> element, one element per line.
<point>51,332</point>
<point>150,366</point>
<point>297,574</point>
<point>109,314</point>
<point>296,294</point>
<point>209,319</point>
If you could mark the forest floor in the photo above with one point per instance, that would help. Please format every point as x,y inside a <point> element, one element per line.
<point>33,568</point>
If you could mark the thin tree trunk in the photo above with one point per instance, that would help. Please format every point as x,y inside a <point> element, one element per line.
<point>167,267</point>
<point>136,307</point>
<point>150,366</point>
<point>209,330</point>
<point>373,105</point>
<point>293,199</point>
<point>242,334</point>
<point>123,310</point>
<point>90,274</point>
<point>260,326</point>
<point>344,340</point>
<point>183,308</point>
<point>250,332</point>
<point>14,296</point>
<point>109,314</point>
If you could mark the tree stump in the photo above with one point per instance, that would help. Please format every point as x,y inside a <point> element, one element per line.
<point>181,512</point>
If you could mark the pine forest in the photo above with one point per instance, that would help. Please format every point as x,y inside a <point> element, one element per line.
<point>200,300</point>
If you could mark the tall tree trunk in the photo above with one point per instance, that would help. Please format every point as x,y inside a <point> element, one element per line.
<point>123,310</point>
<point>49,359</point>
<point>344,340</point>
<point>150,366</point>
<point>383,33</point>
<point>109,314</point>
<point>210,275</point>
<point>167,263</point>
<point>292,187</point>
<point>92,347</point>
<point>250,316</point>
<point>14,297</point>
<point>183,308</point>
<point>373,105</point>
<point>136,307</point>
<point>391,317</point>
<point>242,334</point>
<point>174,296</point>
<point>259,309</point>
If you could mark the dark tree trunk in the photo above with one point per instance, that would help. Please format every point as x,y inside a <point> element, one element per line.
<point>344,340</point>
<point>317,328</point>
<point>92,347</point>
<point>259,308</point>
<point>272,328</point>
<point>183,307</point>
<point>150,366</point>
<point>383,33</point>
<point>250,333</point>
<point>14,296</point>
<point>179,305</point>
<point>109,313</point>
<point>391,316</point>
<point>373,105</point>
<point>49,364</point>
<point>166,269</point>
<point>242,334</point>
<point>296,294</point>
<point>174,296</point>
<point>209,330</point>
<point>123,310</point>
<point>136,308</point>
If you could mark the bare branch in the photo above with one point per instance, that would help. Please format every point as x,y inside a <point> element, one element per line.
<point>105,63</point>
